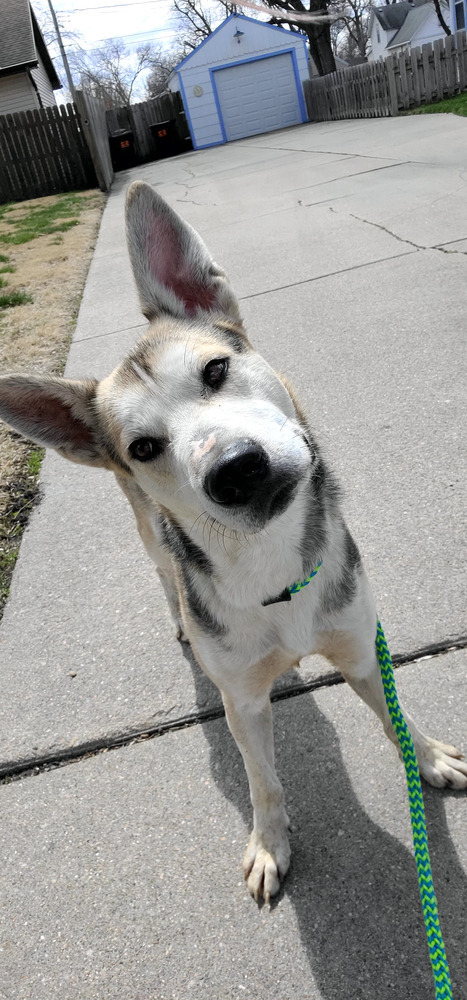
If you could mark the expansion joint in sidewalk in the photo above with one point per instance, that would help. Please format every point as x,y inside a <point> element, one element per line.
<point>68,755</point>
<point>329,274</point>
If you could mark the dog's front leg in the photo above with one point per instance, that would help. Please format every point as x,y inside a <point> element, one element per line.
<point>245,694</point>
<point>440,764</point>
<point>354,654</point>
<point>267,856</point>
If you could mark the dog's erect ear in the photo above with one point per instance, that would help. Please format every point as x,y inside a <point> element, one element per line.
<point>55,413</point>
<point>173,269</point>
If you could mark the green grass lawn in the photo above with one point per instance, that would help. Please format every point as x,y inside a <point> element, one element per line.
<point>40,220</point>
<point>452,105</point>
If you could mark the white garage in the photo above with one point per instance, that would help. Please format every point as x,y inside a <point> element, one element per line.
<point>244,79</point>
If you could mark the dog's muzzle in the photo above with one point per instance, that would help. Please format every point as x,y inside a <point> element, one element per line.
<point>243,476</point>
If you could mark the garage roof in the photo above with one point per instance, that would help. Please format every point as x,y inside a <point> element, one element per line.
<point>239,17</point>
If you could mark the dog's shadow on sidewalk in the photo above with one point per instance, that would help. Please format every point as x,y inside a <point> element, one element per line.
<point>353,886</point>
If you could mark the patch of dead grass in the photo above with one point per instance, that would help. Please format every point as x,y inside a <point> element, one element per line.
<point>52,269</point>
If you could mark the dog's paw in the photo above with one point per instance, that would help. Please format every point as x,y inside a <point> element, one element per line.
<point>180,633</point>
<point>265,863</point>
<point>441,765</point>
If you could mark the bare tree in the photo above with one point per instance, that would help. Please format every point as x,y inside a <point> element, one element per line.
<point>44,20</point>
<point>351,29</point>
<point>196,20</point>
<point>313,17</point>
<point>161,68</point>
<point>70,40</point>
<point>111,72</point>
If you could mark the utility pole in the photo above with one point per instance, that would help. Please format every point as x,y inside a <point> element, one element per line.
<point>62,52</point>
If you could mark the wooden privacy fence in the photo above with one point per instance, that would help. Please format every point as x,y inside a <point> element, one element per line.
<point>402,81</point>
<point>138,118</point>
<point>43,152</point>
<point>430,73</point>
<point>355,92</point>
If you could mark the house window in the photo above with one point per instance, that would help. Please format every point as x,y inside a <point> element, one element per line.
<point>459,11</point>
<point>378,37</point>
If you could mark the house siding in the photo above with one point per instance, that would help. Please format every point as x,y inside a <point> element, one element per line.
<point>221,48</point>
<point>43,85</point>
<point>427,32</point>
<point>378,49</point>
<point>17,93</point>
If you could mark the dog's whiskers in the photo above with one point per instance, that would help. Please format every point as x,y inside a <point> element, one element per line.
<point>182,487</point>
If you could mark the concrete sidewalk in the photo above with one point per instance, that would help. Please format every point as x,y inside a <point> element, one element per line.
<point>121,872</point>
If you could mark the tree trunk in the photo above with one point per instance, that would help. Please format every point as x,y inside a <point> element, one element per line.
<point>319,39</point>
<point>319,35</point>
<point>441,20</point>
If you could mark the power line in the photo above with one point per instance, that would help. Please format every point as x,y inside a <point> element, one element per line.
<point>111,6</point>
<point>137,41</point>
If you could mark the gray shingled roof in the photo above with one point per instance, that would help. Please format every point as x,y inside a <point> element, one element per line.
<point>393,15</point>
<point>415,17</point>
<point>21,40</point>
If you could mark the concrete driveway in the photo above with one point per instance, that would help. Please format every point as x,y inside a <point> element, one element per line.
<point>121,871</point>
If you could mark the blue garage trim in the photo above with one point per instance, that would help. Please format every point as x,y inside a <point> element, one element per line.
<point>241,62</point>
<point>187,111</point>
<point>217,102</point>
<point>209,145</point>
<point>301,96</point>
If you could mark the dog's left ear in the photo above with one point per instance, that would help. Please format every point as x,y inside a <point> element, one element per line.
<point>173,269</point>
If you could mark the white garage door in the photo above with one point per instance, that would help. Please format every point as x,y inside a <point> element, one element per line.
<point>258,96</point>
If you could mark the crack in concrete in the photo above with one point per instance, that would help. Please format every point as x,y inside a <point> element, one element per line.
<point>14,771</point>
<point>403,239</point>
<point>379,225</point>
<point>442,249</point>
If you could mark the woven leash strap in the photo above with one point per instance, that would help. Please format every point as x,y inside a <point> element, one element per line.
<point>297,587</point>
<point>439,964</point>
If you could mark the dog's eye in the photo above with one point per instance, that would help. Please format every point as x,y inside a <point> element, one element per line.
<point>215,372</point>
<point>145,449</point>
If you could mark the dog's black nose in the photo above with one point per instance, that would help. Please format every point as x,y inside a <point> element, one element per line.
<point>237,474</point>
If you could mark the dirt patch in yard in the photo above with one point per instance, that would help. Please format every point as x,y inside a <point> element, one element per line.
<point>46,246</point>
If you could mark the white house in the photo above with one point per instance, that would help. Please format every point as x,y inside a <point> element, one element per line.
<point>398,26</point>
<point>243,79</point>
<point>27,75</point>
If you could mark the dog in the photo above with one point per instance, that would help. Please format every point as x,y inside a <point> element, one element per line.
<point>233,501</point>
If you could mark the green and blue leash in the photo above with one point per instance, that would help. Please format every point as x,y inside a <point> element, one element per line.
<point>437,952</point>
<point>436,949</point>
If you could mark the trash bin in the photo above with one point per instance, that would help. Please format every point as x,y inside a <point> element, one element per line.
<point>166,137</point>
<point>184,132</point>
<point>122,149</point>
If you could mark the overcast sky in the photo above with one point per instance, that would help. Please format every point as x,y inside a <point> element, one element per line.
<point>95,20</point>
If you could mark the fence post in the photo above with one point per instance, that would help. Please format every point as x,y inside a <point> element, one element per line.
<point>438,60</point>
<point>461,46</point>
<point>393,102</point>
<point>92,116</point>
<point>427,57</point>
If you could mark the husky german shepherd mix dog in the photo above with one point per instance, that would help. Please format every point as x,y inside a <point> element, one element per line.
<point>233,502</point>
